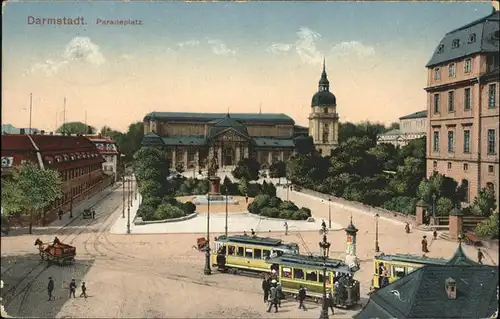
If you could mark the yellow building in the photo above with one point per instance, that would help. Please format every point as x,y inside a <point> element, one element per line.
<point>411,126</point>
<point>463,105</point>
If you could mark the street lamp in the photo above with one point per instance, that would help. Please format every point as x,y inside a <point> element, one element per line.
<point>433,207</point>
<point>225,189</point>
<point>135,187</point>
<point>123,196</point>
<point>128,208</point>
<point>377,248</point>
<point>207,270</point>
<point>324,245</point>
<point>329,213</point>
<point>71,205</point>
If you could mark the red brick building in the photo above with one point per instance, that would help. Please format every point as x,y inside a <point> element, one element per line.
<point>75,157</point>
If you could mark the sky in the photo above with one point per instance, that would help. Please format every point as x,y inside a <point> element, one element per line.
<point>219,57</point>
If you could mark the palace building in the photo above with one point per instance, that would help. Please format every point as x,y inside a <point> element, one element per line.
<point>463,106</point>
<point>192,139</point>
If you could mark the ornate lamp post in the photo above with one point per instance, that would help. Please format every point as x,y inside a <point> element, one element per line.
<point>123,197</point>
<point>128,206</point>
<point>377,248</point>
<point>329,213</point>
<point>208,270</point>
<point>71,205</point>
<point>324,245</point>
<point>225,191</point>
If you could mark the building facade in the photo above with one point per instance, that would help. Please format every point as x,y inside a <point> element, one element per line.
<point>323,119</point>
<point>463,106</point>
<point>109,152</point>
<point>194,139</point>
<point>75,158</point>
<point>411,126</point>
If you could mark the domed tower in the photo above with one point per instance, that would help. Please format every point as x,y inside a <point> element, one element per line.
<point>323,119</point>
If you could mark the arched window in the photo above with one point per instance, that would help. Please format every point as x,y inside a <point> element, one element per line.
<point>491,186</point>
<point>466,190</point>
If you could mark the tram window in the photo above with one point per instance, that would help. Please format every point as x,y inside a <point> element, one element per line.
<point>312,276</point>
<point>298,273</point>
<point>222,250</point>
<point>267,253</point>
<point>320,276</point>
<point>377,268</point>
<point>240,252</point>
<point>249,253</point>
<point>279,253</point>
<point>257,254</point>
<point>231,250</point>
<point>286,272</point>
<point>398,272</point>
<point>410,269</point>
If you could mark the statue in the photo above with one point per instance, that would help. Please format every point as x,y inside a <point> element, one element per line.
<point>213,167</point>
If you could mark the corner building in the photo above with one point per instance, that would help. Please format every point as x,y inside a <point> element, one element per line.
<point>463,106</point>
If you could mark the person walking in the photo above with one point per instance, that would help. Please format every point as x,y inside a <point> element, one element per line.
<point>279,293</point>
<point>72,288</point>
<point>246,198</point>
<point>480,256</point>
<point>60,214</point>
<point>435,234</point>
<point>286,228</point>
<point>253,232</point>
<point>93,214</point>
<point>302,297</point>
<point>424,245</point>
<point>84,290</point>
<point>329,301</point>
<point>273,297</point>
<point>407,228</point>
<point>50,289</point>
<point>265,288</point>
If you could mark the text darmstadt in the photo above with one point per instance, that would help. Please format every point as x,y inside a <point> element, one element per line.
<point>55,21</point>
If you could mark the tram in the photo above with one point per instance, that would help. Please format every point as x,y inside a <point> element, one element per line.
<point>295,271</point>
<point>247,254</point>
<point>398,266</point>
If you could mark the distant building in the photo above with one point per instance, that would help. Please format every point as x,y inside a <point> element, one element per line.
<point>324,119</point>
<point>75,157</point>
<point>463,87</point>
<point>459,289</point>
<point>411,126</point>
<point>109,151</point>
<point>10,129</point>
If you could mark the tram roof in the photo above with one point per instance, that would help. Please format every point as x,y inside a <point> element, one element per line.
<point>412,259</point>
<point>254,240</point>
<point>309,261</point>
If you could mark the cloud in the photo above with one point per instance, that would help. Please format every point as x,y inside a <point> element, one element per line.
<point>189,43</point>
<point>126,57</point>
<point>306,46</point>
<point>48,67</point>
<point>279,48</point>
<point>220,48</point>
<point>83,49</point>
<point>353,48</point>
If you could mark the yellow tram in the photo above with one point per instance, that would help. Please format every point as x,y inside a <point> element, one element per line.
<point>398,266</point>
<point>307,271</point>
<point>243,253</point>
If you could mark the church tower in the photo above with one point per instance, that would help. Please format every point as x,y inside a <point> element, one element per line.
<point>323,119</point>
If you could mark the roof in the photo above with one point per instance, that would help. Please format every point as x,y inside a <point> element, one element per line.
<point>391,132</point>
<point>412,259</point>
<point>422,294</point>
<point>460,258</point>
<point>486,40</point>
<point>246,118</point>
<point>61,142</point>
<point>184,140</point>
<point>310,262</point>
<point>227,122</point>
<point>256,240</point>
<point>323,98</point>
<point>17,143</point>
<point>416,115</point>
<point>273,142</point>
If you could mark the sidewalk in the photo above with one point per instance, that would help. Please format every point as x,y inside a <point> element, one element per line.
<point>120,225</point>
<point>78,209</point>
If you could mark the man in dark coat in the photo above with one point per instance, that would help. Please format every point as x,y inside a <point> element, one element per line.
<point>424,245</point>
<point>72,288</point>
<point>273,297</point>
<point>84,290</point>
<point>265,288</point>
<point>480,256</point>
<point>302,297</point>
<point>50,288</point>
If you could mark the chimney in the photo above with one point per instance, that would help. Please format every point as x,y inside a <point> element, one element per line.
<point>22,131</point>
<point>451,288</point>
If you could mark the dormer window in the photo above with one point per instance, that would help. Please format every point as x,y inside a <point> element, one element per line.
<point>455,44</point>
<point>496,35</point>
<point>472,38</point>
<point>440,49</point>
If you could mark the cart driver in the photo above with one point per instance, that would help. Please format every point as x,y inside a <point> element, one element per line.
<point>56,241</point>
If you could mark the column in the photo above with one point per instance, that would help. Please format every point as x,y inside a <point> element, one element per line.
<point>219,156</point>
<point>185,158</point>
<point>270,157</point>
<point>173,157</point>
<point>197,160</point>
<point>245,152</point>
<point>282,156</point>
<point>238,154</point>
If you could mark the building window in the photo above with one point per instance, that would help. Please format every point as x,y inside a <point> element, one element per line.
<point>492,95</point>
<point>449,165</point>
<point>451,70</point>
<point>466,189</point>
<point>467,65</point>
<point>325,110</point>
<point>491,142</point>
<point>436,103</point>
<point>467,99</point>
<point>436,142</point>
<point>466,167</point>
<point>472,38</point>
<point>326,133</point>
<point>437,74</point>
<point>451,141</point>
<point>467,141</point>
<point>455,44</point>
<point>440,48</point>
<point>435,165</point>
<point>451,101</point>
<point>491,169</point>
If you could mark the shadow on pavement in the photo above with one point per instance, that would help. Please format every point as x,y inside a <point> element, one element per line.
<point>25,285</point>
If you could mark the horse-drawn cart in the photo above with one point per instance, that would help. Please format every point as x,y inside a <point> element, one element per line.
<point>201,244</point>
<point>56,252</point>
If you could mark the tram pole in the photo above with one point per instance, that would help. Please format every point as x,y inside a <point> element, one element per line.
<point>377,248</point>
<point>123,197</point>
<point>225,228</point>
<point>128,208</point>
<point>207,270</point>
<point>329,213</point>
<point>325,247</point>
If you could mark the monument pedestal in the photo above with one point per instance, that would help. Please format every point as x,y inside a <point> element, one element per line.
<point>214,185</point>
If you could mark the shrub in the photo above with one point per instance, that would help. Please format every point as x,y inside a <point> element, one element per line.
<point>286,214</point>
<point>401,204</point>
<point>272,212</point>
<point>307,212</point>
<point>168,199</point>
<point>146,212</point>
<point>288,205</point>
<point>488,228</point>
<point>253,189</point>
<point>253,208</point>
<point>261,201</point>
<point>297,215</point>
<point>275,202</point>
<point>167,211</point>
<point>443,206</point>
<point>189,208</point>
<point>152,201</point>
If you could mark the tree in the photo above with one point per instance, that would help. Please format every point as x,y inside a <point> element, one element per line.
<point>76,128</point>
<point>109,132</point>
<point>488,228</point>
<point>151,163</point>
<point>387,154</point>
<point>411,173</point>
<point>485,203</point>
<point>443,206</point>
<point>415,148</point>
<point>247,169</point>
<point>366,129</point>
<point>304,145</point>
<point>439,185</point>
<point>277,169</point>
<point>393,126</point>
<point>130,142</point>
<point>36,189</point>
